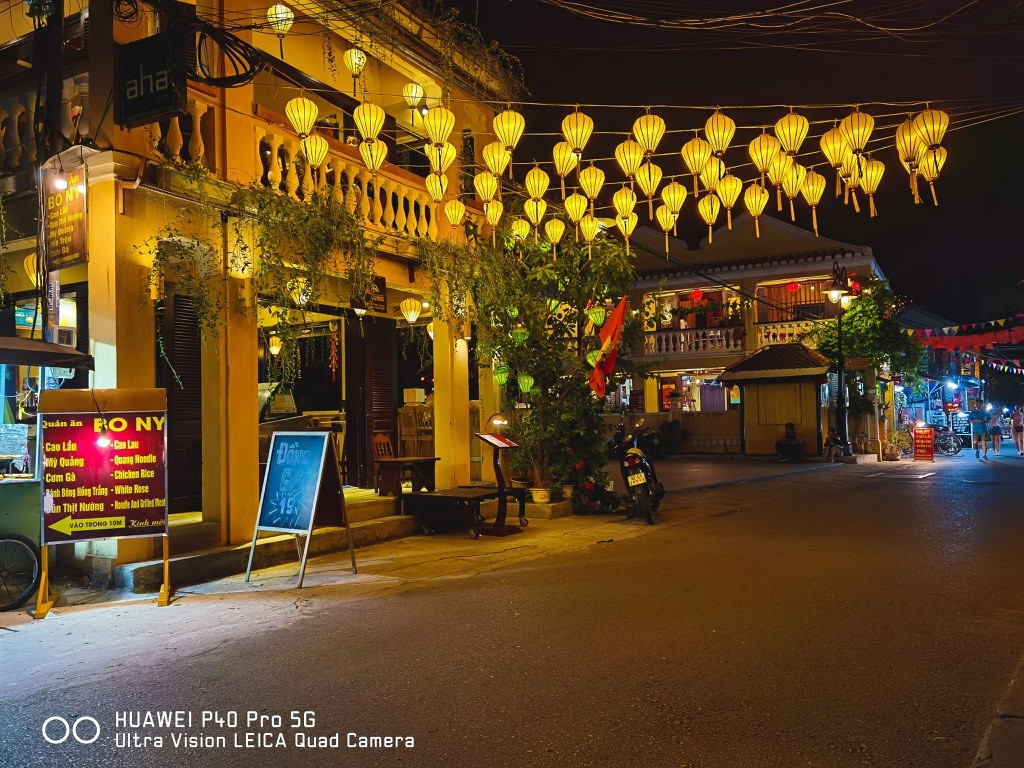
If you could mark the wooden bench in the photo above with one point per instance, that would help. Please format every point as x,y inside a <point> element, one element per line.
<point>437,506</point>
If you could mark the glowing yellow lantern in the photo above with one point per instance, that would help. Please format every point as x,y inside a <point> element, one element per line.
<point>708,208</point>
<point>626,225</point>
<point>280,18</point>
<point>496,158</point>
<point>777,172</point>
<point>755,198</point>
<point>909,147</point>
<point>537,183</point>
<point>369,120</point>
<point>492,212</point>
<point>624,201</point>
<point>629,155</point>
<point>535,210</point>
<point>314,149</point>
<point>592,179</point>
<point>589,226</point>
<point>649,130</point>
<point>413,94</point>
<point>576,209</point>
<point>728,191</point>
<point>438,122</point>
<point>411,309</point>
<point>667,221</point>
<point>714,170</point>
<point>695,153</point>
<point>576,128</point>
<point>274,345</point>
<point>674,195</point>
<point>648,178</point>
<point>856,128</point>
<point>930,164</point>
<point>791,131</point>
<point>486,185</point>
<point>373,154</point>
<point>791,183</point>
<point>835,148</point>
<point>565,160</point>
<point>455,211</point>
<point>870,178</point>
<point>441,158</point>
<point>812,189</point>
<point>762,151</point>
<point>851,175</point>
<point>508,127</point>
<point>301,113</point>
<point>436,186</point>
<point>520,229</point>
<point>354,60</point>
<point>930,127</point>
<point>719,130</point>
<point>554,229</point>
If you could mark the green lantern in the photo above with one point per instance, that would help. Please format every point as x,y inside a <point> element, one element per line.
<point>593,356</point>
<point>520,335</point>
<point>553,305</point>
<point>525,382</point>
<point>597,314</point>
<point>501,375</point>
<point>513,312</point>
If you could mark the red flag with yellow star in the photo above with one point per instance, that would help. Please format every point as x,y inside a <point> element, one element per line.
<point>610,336</point>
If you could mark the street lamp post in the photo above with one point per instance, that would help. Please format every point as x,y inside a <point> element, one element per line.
<point>839,293</point>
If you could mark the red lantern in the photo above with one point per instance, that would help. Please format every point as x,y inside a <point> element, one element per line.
<point>696,294</point>
<point>793,287</point>
<point>855,288</point>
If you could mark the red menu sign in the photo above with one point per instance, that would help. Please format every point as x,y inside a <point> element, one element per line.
<point>924,444</point>
<point>103,476</point>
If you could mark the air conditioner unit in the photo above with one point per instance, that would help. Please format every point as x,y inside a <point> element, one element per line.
<point>66,337</point>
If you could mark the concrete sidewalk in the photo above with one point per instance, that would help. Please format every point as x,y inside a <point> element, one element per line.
<point>693,473</point>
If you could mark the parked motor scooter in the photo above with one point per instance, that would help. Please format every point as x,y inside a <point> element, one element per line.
<point>628,448</point>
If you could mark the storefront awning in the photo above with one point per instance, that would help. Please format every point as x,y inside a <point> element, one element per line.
<point>15,350</point>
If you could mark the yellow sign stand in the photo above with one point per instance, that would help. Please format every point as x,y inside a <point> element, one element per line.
<point>164,598</point>
<point>43,601</point>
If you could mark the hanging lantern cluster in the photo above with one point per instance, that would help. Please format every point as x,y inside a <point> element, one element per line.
<point>929,127</point>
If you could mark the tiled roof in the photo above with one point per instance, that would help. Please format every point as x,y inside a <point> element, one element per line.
<point>781,357</point>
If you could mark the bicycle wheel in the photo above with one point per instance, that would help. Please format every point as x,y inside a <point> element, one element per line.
<point>19,570</point>
<point>643,503</point>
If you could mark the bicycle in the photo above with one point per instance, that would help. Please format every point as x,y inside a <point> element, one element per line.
<point>20,570</point>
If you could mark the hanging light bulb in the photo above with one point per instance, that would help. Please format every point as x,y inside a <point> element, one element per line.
<point>909,147</point>
<point>930,127</point>
<point>496,158</point>
<point>373,154</point>
<point>591,180</point>
<point>930,164</point>
<point>812,189</point>
<point>851,175</point>
<point>791,183</point>
<point>436,185</point>
<point>369,120</point>
<point>649,130</point>
<point>856,128</point>
<point>624,201</point>
<point>554,229</point>
<point>486,185</point>
<point>301,113</point>
<point>576,128</point>
<point>520,229</point>
<point>835,147</point>
<point>413,94</point>
<point>576,209</point>
<point>314,149</point>
<point>629,154</point>
<point>695,153</point>
<point>440,158</point>
<point>871,177</point>
<point>777,170</point>
<point>274,344</point>
<point>60,182</point>
<point>648,178</point>
<point>666,220</point>
<point>280,18</point>
<point>762,151</point>
<point>791,131</point>
<point>565,160</point>
<point>354,60</point>
<point>508,127</point>
<point>708,208</point>
<point>719,130</point>
<point>411,309</point>
<point>728,191</point>
<point>755,198</point>
<point>537,183</point>
<point>714,170</point>
<point>455,211</point>
<point>626,225</point>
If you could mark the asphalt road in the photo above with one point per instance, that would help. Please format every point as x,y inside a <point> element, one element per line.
<point>826,619</point>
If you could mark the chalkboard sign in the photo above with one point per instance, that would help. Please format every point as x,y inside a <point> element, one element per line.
<point>291,486</point>
<point>13,441</point>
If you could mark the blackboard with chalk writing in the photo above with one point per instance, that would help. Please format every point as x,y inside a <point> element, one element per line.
<point>292,481</point>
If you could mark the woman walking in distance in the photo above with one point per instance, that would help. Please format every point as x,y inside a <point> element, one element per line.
<point>979,430</point>
<point>1017,428</point>
<point>995,429</point>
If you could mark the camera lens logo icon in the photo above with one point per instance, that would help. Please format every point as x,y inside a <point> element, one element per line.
<point>57,730</point>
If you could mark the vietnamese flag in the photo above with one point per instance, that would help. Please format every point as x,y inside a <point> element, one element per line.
<point>610,336</point>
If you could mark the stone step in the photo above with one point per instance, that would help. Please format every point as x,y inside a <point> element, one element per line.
<point>372,509</point>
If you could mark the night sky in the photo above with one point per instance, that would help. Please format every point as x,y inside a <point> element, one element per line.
<point>957,259</point>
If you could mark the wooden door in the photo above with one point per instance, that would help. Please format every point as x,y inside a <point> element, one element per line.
<point>371,387</point>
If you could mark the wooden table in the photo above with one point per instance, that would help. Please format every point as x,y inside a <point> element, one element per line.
<point>390,470</point>
<point>433,508</point>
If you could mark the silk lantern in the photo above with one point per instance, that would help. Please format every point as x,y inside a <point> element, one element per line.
<point>369,120</point>
<point>354,60</point>
<point>565,160</point>
<point>695,154</point>
<point>719,130</point>
<point>301,113</point>
<point>835,148</point>
<point>871,177</point>
<point>729,188</point>
<point>486,185</point>
<point>812,189</point>
<point>791,131</point>
<point>755,198</point>
<point>791,184</point>
<point>648,178</point>
<point>455,211</point>
<point>708,208</point>
<point>762,151</point>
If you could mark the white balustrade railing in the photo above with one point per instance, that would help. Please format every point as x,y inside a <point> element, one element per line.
<point>693,341</point>
<point>783,333</point>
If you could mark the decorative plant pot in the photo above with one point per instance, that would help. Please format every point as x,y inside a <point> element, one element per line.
<point>541,495</point>
<point>567,492</point>
<point>520,483</point>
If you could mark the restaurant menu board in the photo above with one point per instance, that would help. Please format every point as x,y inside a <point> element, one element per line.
<point>93,490</point>
<point>292,482</point>
<point>924,444</point>
<point>13,441</point>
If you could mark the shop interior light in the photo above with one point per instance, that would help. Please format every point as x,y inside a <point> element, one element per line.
<point>950,385</point>
<point>274,345</point>
<point>103,441</point>
<point>60,183</point>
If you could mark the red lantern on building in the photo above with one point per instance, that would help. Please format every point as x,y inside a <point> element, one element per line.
<point>697,294</point>
<point>793,286</point>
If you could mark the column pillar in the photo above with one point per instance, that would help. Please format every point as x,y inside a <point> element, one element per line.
<point>451,406</point>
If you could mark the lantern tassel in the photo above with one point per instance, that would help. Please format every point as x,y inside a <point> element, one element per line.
<point>711,235</point>
<point>563,186</point>
<point>872,211</point>
<point>778,198</point>
<point>792,210</point>
<point>856,205</point>
<point>935,200</point>
<point>814,219</point>
<point>554,252</point>
<point>666,245</point>
<point>695,186</point>
<point>839,183</point>
<point>846,195</point>
<point>916,189</point>
<point>728,217</point>
<point>627,246</point>
<point>757,226</point>
<point>577,232</point>
<point>650,209</point>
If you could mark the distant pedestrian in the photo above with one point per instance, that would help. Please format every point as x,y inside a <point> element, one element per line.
<point>995,429</point>
<point>979,430</point>
<point>833,450</point>
<point>1017,428</point>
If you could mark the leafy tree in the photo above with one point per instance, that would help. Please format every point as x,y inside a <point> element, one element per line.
<point>870,330</point>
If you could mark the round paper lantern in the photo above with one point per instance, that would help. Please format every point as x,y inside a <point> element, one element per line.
<point>411,309</point>
<point>369,120</point>
<point>576,128</point>
<point>812,190</point>
<point>537,183</point>
<point>525,381</point>
<point>729,188</point>
<point>501,375</point>
<point>520,229</point>
<point>492,212</point>
<point>719,130</point>
<point>455,211</point>
<point>440,157</point>
<point>597,314</point>
<point>520,335</point>
<point>589,226</point>
<point>909,147</point>
<point>649,130</point>
<point>871,177</point>
<point>791,131</point>
<point>930,164</point>
<point>593,356</point>
<point>438,122</point>
<point>695,154</point>
<point>274,345</point>
<point>856,129</point>
<point>575,207</point>
<point>629,154</point>
<point>565,160</point>
<point>762,151</point>
<point>413,94</point>
<point>930,127</point>
<point>696,294</point>
<point>591,180</point>
<point>496,158</point>
<point>301,113</point>
<point>755,198</point>
<point>436,186</point>
<point>674,195</point>
<point>648,178</point>
<point>835,148</point>
<point>354,60</point>
<point>373,154</point>
<point>714,170</point>
<point>554,229</point>
<point>280,17</point>
<point>624,201</point>
<point>851,175</point>
<point>791,183</point>
<point>486,185</point>
<point>777,170</point>
<point>535,210</point>
<point>430,330</point>
<point>708,208</point>
<point>666,220</point>
<point>508,127</point>
<point>794,286</point>
<point>626,225</point>
<point>314,149</point>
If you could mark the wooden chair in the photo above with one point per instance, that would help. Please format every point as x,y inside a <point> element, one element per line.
<point>381,445</point>
<point>389,470</point>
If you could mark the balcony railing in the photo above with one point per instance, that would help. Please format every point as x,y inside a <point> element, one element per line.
<point>783,333</point>
<point>694,341</point>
